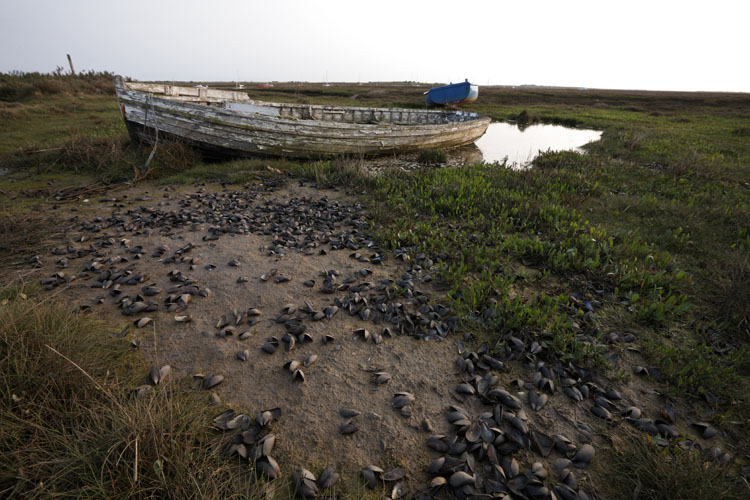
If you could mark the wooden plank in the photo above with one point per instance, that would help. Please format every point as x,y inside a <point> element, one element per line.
<point>223,135</point>
<point>219,128</point>
<point>269,143</point>
<point>309,128</point>
<point>70,61</point>
<point>300,127</point>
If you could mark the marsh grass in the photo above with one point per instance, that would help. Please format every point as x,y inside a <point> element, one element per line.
<point>578,222</point>
<point>117,159</point>
<point>699,368</point>
<point>23,232</point>
<point>237,171</point>
<point>20,86</point>
<point>640,470</point>
<point>346,172</point>
<point>731,298</point>
<point>71,428</point>
<point>17,290</point>
<point>432,156</point>
<point>487,217</point>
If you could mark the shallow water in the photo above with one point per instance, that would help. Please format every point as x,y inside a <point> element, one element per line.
<point>503,142</point>
<point>518,147</point>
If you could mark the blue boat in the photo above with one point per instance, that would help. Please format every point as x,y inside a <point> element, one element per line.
<point>453,94</point>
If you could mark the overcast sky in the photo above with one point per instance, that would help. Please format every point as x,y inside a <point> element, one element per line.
<point>633,44</point>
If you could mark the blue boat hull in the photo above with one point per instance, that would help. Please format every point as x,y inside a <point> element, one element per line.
<point>456,93</point>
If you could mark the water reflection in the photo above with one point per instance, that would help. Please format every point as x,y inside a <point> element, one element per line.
<point>519,146</point>
<point>503,142</point>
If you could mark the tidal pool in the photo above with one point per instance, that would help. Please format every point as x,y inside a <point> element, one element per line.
<point>506,142</point>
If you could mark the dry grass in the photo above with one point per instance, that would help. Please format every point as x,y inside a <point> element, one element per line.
<point>19,86</point>
<point>23,232</point>
<point>70,428</point>
<point>117,159</point>
<point>732,297</point>
<point>343,171</point>
<point>645,471</point>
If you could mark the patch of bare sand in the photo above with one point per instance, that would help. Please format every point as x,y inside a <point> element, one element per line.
<point>343,376</point>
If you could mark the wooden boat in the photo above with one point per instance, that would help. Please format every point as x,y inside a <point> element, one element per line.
<point>453,94</point>
<point>229,123</point>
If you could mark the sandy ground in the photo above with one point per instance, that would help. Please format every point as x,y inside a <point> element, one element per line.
<point>307,434</point>
<point>343,375</point>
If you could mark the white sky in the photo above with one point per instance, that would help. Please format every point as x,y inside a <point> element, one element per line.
<point>633,44</point>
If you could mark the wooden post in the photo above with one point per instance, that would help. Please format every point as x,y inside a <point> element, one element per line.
<point>70,61</point>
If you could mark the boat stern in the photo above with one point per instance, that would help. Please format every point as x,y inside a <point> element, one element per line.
<point>472,95</point>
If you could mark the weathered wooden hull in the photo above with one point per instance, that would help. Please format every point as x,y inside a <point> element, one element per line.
<point>228,123</point>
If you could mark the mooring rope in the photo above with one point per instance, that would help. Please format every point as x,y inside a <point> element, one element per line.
<point>156,131</point>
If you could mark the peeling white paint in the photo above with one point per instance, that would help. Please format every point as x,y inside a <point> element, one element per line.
<point>232,121</point>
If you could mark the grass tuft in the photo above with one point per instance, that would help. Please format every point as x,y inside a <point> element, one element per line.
<point>432,156</point>
<point>645,471</point>
<point>117,159</point>
<point>23,232</point>
<point>75,434</point>
<point>346,172</point>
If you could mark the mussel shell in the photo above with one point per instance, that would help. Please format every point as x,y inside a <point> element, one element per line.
<point>510,467</point>
<point>437,443</point>
<point>328,477</point>
<point>573,393</point>
<point>542,443</point>
<point>601,412</point>
<point>142,390</point>
<point>632,412</point>
<point>436,466</point>
<point>267,416</point>
<point>369,477</point>
<point>268,348</point>
<point>537,401</point>
<point>154,376</point>
<point>264,446</point>
<point>348,428</point>
<point>707,430</point>
<point>473,433</point>
<point>304,485</point>
<point>394,474</point>
<point>461,478</point>
<point>362,333</point>
<point>464,388</point>
<point>437,482</point>
<point>140,323</point>
<point>268,468</point>
<point>212,381</point>
<point>292,365</point>
<point>402,399</point>
<point>583,456</point>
